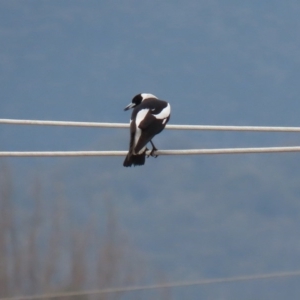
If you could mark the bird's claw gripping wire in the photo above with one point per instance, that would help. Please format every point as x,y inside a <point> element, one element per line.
<point>153,150</point>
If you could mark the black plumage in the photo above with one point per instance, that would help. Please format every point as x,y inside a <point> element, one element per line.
<point>149,117</point>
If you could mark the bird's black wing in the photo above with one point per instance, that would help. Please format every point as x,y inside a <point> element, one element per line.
<point>150,126</point>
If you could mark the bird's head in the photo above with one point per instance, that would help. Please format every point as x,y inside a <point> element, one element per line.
<point>138,99</point>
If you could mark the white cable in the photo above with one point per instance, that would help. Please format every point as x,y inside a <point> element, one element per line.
<point>158,152</point>
<point>126,125</point>
<point>234,128</point>
<point>63,123</point>
<point>157,286</point>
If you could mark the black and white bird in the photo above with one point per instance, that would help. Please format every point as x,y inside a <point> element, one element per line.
<point>149,117</point>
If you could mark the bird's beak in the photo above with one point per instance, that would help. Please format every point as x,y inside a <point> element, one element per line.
<point>131,105</point>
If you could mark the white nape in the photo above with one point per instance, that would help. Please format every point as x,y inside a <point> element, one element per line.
<point>147,96</point>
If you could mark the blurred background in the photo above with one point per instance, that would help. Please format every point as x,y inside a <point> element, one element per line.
<point>70,224</point>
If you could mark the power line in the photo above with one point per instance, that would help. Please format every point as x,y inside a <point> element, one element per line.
<point>63,123</point>
<point>158,152</point>
<point>157,286</point>
<point>174,127</point>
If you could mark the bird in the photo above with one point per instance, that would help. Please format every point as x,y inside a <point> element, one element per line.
<point>149,117</point>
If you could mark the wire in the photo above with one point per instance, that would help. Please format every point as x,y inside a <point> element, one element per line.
<point>158,152</point>
<point>234,128</point>
<point>63,123</point>
<point>157,286</point>
<point>174,127</point>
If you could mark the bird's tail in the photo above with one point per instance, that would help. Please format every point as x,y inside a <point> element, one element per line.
<point>136,160</point>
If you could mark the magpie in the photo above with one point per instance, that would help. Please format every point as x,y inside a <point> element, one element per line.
<point>149,117</point>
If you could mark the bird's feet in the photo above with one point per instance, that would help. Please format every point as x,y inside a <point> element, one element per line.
<point>152,152</point>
